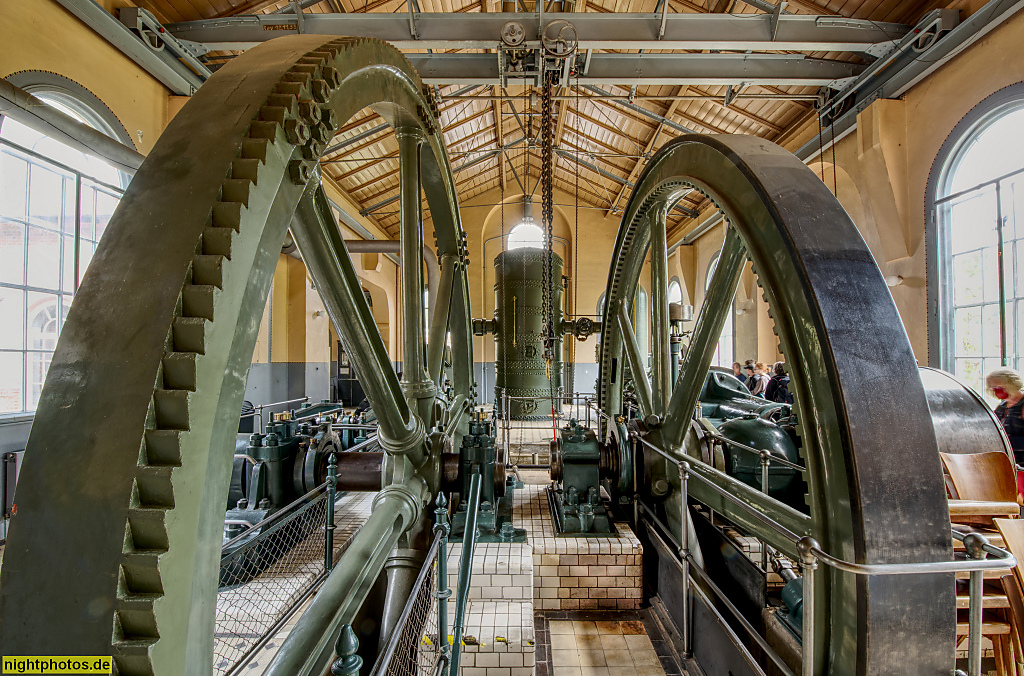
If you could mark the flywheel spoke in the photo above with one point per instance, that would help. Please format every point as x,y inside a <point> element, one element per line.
<point>437,336</point>
<point>636,362</point>
<point>323,250</point>
<point>717,304</point>
<point>661,355</point>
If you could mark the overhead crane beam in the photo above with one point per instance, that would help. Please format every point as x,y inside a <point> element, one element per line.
<point>683,31</point>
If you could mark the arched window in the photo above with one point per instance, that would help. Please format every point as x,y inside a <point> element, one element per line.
<point>55,203</point>
<point>977,280</point>
<point>675,292</point>
<point>526,234</point>
<point>724,355</point>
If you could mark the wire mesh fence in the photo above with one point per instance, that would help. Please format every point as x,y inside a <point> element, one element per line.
<point>265,574</point>
<point>417,648</point>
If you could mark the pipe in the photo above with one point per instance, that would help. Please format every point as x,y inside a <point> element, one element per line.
<point>391,246</point>
<point>19,105</point>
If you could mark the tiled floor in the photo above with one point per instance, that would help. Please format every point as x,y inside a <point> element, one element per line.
<point>587,643</point>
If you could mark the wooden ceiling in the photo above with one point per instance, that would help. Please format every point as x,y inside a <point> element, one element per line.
<point>602,133</point>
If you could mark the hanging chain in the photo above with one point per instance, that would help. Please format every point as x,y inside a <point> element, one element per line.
<point>547,122</point>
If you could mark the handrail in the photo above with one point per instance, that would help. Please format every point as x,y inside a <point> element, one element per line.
<point>810,554</point>
<point>760,452</point>
<point>465,568</point>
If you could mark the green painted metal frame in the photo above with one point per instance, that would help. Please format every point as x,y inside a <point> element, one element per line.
<point>866,427</point>
<point>142,398</point>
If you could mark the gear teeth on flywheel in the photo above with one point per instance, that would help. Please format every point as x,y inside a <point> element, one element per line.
<point>292,114</point>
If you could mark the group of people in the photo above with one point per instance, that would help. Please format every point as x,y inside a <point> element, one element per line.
<point>773,386</point>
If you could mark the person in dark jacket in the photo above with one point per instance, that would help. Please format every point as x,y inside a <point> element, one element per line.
<point>1005,385</point>
<point>777,389</point>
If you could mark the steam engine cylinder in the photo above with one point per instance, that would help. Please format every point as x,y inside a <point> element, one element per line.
<point>519,309</point>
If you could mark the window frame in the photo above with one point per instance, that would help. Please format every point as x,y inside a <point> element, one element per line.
<point>77,187</point>
<point>939,263</point>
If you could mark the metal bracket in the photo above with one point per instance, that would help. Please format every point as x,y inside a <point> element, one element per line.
<point>773,20</point>
<point>413,11</point>
<point>298,16</point>
<point>664,18</point>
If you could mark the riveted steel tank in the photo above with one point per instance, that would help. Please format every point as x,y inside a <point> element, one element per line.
<point>522,372</point>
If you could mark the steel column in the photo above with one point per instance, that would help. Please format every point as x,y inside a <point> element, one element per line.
<point>660,326</point>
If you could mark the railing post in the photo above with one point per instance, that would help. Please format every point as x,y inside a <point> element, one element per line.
<point>765,462</point>
<point>684,552</point>
<point>332,484</point>
<point>443,593</point>
<point>974,543</point>
<point>349,662</point>
<point>805,546</point>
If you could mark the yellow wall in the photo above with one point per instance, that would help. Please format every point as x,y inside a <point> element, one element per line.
<point>42,35</point>
<point>882,169</point>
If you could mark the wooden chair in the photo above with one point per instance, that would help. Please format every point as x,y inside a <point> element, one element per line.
<point>984,486</point>
<point>982,476</point>
<point>1012,533</point>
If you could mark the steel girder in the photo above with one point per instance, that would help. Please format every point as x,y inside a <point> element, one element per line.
<point>651,69</point>
<point>875,484</point>
<point>756,32</point>
<point>140,405</point>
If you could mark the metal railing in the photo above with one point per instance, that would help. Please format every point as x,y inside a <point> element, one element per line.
<point>418,645</point>
<point>269,570</point>
<point>579,405</point>
<point>810,555</point>
<point>258,410</point>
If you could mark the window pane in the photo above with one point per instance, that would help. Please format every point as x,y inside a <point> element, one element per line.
<point>46,190</point>
<point>973,222</point>
<point>13,185</point>
<point>104,209</point>
<point>12,372</point>
<point>84,256</point>
<point>967,279</point>
<point>967,332</point>
<point>43,258</point>
<point>37,364</point>
<point>12,252</point>
<point>12,319</point>
<point>990,331</point>
<point>969,370</point>
<point>990,274</point>
<point>88,209</point>
<point>68,256</point>
<point>70,197</point>
<point>42,316</point>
